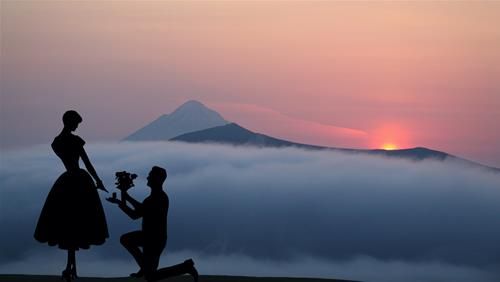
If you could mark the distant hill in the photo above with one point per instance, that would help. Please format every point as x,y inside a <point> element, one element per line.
<point>236,135</point>
<point>189,117</point>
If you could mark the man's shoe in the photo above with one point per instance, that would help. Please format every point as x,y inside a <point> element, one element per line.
<point>191,269</point>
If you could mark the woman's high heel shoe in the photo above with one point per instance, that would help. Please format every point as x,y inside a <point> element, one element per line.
<point>66,275</point>
<point>73,273</point>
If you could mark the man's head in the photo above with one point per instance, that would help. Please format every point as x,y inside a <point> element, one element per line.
<point>156,177</point>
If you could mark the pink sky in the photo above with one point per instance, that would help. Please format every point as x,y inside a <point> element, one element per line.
<point>349,74</point>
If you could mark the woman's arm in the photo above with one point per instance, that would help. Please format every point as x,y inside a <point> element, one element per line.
<point>91,170</point>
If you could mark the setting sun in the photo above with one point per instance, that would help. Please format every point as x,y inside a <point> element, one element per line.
<point>389,146</point>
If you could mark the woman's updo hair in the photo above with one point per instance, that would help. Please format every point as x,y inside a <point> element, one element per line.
<point>71,117</point>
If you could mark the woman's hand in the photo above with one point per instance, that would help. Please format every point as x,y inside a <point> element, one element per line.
<point>100,185</point>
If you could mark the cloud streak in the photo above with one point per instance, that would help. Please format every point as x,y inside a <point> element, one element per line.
<point>299,212</point>
<point>274,123</point>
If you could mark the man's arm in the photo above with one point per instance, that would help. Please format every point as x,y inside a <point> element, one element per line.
<point>135,213</point>
<point>127,198</point>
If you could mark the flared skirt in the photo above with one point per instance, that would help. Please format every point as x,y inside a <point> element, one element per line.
<point>72,216</point>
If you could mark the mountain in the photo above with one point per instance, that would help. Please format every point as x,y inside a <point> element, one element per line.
<point>189,117</point>
<point>234,134</point>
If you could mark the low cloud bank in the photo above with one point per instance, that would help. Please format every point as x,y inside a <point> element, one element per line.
<point>279,212</point>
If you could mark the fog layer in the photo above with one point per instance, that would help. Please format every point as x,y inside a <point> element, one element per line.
<point>275,212</point>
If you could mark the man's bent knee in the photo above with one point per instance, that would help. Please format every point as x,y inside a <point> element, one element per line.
<point>132,238</point>
<point>126,239</point>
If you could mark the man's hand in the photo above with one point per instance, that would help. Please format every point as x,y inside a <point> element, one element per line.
<point>113,200</point>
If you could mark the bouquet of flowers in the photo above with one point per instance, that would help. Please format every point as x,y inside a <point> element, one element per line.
<point>124,180</point>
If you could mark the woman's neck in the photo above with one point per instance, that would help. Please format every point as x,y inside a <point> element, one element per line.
<point>66,131</point>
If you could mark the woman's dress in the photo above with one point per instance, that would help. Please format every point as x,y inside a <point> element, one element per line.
<point>72,216</point>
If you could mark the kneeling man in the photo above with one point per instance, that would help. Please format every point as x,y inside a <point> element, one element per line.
<point>153,235</point>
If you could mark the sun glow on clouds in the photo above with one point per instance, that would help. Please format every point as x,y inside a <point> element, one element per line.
<point>388,136</point>
<point>391,137</point>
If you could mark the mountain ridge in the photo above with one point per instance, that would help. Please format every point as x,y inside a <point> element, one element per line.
<point>236,135</point>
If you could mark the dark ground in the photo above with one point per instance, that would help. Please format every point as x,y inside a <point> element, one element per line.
<point>204,278</point>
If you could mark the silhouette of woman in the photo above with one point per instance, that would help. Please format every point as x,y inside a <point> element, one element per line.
<point>72,216</point>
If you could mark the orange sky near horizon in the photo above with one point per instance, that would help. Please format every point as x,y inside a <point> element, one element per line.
<point>346,74</point>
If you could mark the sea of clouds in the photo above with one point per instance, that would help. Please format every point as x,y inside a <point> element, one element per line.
<point>274,212</point>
